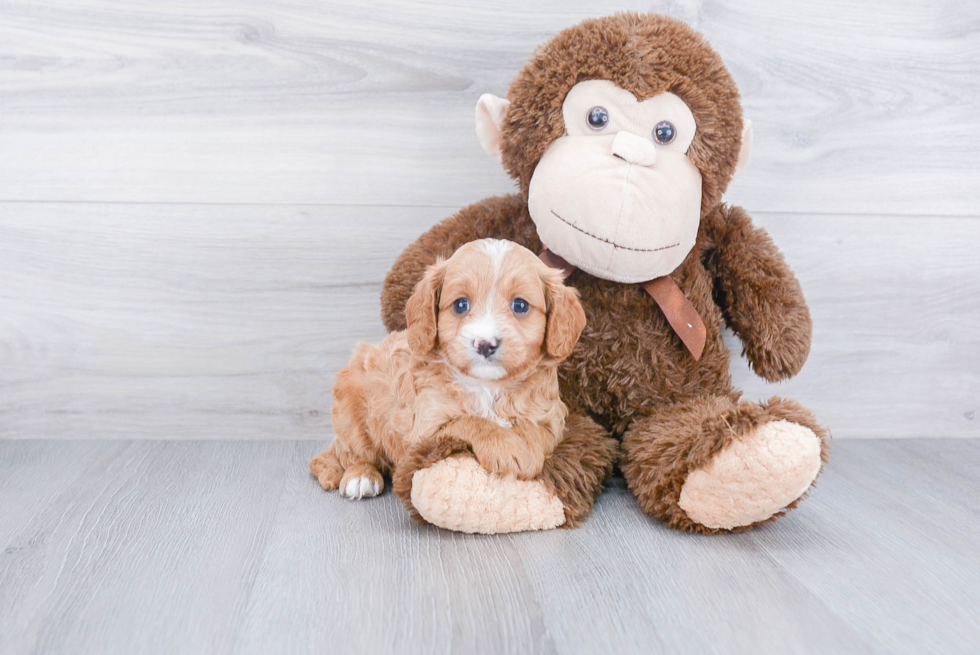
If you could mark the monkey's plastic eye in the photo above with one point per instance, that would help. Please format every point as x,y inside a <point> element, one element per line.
<point>664,132</point>
<point>598,118</point>
<point>520,306</point>
<point>461,305</point>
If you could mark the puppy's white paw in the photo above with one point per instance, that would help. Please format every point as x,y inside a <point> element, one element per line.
<point>360,487</point>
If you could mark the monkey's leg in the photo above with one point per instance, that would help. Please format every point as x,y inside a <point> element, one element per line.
<point>713,464</point>
<point>441,483</point>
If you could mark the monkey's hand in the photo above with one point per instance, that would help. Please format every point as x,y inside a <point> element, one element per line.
<point>760,297</point>
<point>498,217</point>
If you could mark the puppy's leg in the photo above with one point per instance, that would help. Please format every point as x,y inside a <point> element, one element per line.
<point>499,450</point>
<point>358,456</point>
<point>326,469</point>
<point>351,462</point>
<point>356,479</point>
<point>361,480</point>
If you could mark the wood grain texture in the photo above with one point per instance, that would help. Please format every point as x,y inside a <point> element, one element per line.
<point>229,322</point>
<point>210,547</point>
<point>865,107</point>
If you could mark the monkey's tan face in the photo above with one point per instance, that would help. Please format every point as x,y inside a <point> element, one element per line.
<point>618,196</point>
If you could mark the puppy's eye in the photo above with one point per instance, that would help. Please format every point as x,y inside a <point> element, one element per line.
<point>598,118</point>
<point>664,132</point>
<point>520,306</point>
<point>461,305</point>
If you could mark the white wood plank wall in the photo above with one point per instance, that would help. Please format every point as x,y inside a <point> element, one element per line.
<point>199,200</point>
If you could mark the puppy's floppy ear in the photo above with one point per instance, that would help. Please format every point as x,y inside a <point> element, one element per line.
<point>566,318</point>
<point>422,310</point>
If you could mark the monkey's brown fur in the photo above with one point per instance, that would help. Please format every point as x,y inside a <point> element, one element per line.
<point>630,376</point>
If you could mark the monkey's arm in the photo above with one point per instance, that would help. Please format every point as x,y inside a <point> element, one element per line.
<point>501,217</point>
<point>761,298</point>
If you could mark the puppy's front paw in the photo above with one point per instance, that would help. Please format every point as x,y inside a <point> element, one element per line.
<point>326,469</point>
<point>361,481</point>
<point>513,458</point>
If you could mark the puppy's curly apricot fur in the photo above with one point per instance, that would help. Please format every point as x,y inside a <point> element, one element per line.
<point>433,381</point>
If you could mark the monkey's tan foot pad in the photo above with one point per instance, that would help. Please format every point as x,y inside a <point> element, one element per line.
<point>754,477</point>
<point>458,494</point>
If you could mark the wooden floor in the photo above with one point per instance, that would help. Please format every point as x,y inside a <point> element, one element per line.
<point>223,547</point>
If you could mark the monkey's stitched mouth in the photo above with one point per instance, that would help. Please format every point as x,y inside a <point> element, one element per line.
<point>611,243</point>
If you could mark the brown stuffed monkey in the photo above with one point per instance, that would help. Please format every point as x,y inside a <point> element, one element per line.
<point>623,133</point>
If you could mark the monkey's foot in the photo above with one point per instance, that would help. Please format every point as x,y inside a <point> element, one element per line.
<point>753,477</point>
<point>458,494</point>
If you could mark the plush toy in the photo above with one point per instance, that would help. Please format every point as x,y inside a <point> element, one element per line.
<point>622,134</point>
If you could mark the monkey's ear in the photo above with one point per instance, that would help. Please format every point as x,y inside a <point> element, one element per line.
<point>746,149</point>
<point>490,112</point>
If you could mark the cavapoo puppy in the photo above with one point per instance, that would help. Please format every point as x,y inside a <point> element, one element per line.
<point>487,329</point>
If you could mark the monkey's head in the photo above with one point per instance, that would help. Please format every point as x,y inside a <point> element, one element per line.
<point>622,132</point>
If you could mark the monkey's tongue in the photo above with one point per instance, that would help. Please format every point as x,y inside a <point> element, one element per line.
<point>678,310</point>
<point>556,261</point>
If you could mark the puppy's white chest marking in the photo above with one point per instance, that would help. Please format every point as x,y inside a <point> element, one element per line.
<point>483,398</point>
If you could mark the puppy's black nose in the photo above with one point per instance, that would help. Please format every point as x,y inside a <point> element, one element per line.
<point>487,348</point>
